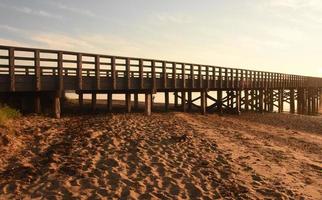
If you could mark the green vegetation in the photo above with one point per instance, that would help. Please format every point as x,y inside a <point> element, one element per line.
<point>8,113</point>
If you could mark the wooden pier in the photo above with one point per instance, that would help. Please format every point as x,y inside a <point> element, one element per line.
<point>35,73</point>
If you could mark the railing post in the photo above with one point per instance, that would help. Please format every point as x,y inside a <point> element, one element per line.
<point>97,72</point>
<point>113,73</point>
<point>37,70</point>
<point>12,69</point>
<point>79,71</point>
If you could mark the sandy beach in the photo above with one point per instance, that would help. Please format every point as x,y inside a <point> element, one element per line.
<point>165,156</point>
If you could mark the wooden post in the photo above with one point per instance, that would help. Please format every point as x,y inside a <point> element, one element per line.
<point>12,69</point>
<point>37,104</point>
<point>109,101</point>
<point>56,106</point>
<point>148,98</point>
<point>246,92</point>
<point>183,101</point>
<point>271,100</point>
<point>141,73</point>
<point>128,102</point>
<point>189,100</point>
<point>136,101</point>
<point>97,72</point>
<point>80,100</point>
<point>79,71</point>
<point>238,103</point>
<point>175,99</point>
<point>219,101</point>
<point>113,73</point>
<point>261,100</point>
<point>280,100</point>
<point>299,101</point>
<point>37,70</point>
<point>60,71</point>
<point>166,100</point>
<point>94,99</point>
<point>292,101</point>
<point>203,102</point>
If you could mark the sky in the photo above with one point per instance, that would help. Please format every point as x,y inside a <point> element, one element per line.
<point>270,35</point>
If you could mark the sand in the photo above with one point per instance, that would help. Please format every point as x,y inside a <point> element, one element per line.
<point>165,156</point>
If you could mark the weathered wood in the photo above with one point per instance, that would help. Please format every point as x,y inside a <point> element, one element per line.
<point>183,101</point>
<point>12,70</point>
<point>148,106</point>
<point>113,71</point>
<point>246,92</point>
<point>136,101</point>
<point>60,71</point>
<point>128,102</point>
<point>79,71</point>
<point>94,101</point>
<point>164,74</point>
<point>109,101</point>
<point>37,104</point>
<point>97,72</point>
<point>37,70</point>
<point>166,100</point>
<point>203,102</point>
<point>189,100</point>
<point>292,101</point>
<point>56,107</point>
<point>141,73</point>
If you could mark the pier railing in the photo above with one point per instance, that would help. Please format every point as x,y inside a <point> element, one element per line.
<point>34,69</point>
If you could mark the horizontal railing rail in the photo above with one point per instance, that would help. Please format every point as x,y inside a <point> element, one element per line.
<point>17,61</point>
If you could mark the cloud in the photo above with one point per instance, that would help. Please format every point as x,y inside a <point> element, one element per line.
<point>12,43</point>
<point>30,11</point>
<point>173,18</point>
<point>75,10</point>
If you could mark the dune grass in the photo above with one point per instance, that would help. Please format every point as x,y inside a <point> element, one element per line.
<point>8,113</point>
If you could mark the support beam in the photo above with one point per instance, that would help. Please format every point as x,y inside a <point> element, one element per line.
<point>238,102</point>
<point>94,101</point>
<point>292,101</point>
<point>37,104</point>
<point>148,99</point>
<point>219,101</point>
<point>280,100</point>
<point>203,102</point>
<point>261,100</point>
<point>166,101</point>
<point>189,100</point>
<point>109,101</point>
<point>80,100</point>
<point>183,101</point>
<point>246,92</point>
<point>136,101</point>
<point>271,100</point>
<point>128,102</point>
<point>56,107</point>
<point>176,100</point>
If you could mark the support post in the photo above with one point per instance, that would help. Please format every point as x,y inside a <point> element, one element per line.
<point>128,102</point>
<point>292,101</point>
<point>94,100</point>
<point>56,106</point>
<point>136,101</point>
<point>280,100</point>
<point>183,101</point>
<point>80,100</point>
<point>238,103</point>
<point>166,100</point>
<point>246,100</point>
<point>203,102</point>
<point>219,101</point>
<point>175,99</point>
<point>109,101</point>
<point>189,100</point>
<point>261,100</point>
<point>271,100</point>
<point>148,99</point>
<point>37,104</point>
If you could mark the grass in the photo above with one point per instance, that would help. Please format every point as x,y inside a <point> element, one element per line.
<point>7,113</point>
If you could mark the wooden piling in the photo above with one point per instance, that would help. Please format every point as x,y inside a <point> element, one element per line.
<point>183,101</point>
<point>292,101</point>
<point>80,100</point>
<point>136,101</point>
<point>94,101</point>
<point>203,102</point>
<point>166,100</point>
<point>109,101</point>
<point>189,100</point>
<point>56,106</point>
<point>148,99</point>
<point>128,102</point>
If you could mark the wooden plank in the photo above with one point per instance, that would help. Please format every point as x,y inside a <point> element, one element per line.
<point>37,70</point>
<point>164,74</point>
<point>200,76</point>
<point>113,70</point>
<point>192,76</point>
<point>183,71</point>
<point>12,69</point>
<point>153,76</point>
<point>79,71</point>
<point>127,70</point>
<point>60,71</point>
<point>220,77</point>
<point>141,73</point>
<point>174,74</point>
<point>97,72</point>
<point>207,77</point>
<point>214,77</point>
